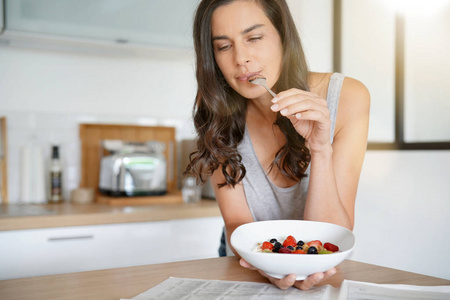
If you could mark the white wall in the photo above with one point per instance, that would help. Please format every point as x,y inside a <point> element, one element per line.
<point>402,211</point>
<point>314,21</point>
<point>47,94</point>
<point>403,198</point>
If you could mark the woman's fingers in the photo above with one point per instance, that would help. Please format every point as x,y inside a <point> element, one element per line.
<point>290,280</point>
<point>245,264</point>
<point>283,283</point>
<point>309,282</point>
<point>290,92</point>
<point>299,104</point>
<point>314,279</point>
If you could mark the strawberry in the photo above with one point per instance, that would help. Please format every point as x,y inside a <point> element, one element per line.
<point>298,251</point>
<point>290,241</point>
<point>331,247</point>
<point>266,246</point>
<point>316,243</point>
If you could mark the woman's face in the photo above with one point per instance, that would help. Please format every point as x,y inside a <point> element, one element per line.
<point>246,44</point>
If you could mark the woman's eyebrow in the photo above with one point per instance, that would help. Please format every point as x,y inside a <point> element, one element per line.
<point>245,31</point>
<point>251,28</point>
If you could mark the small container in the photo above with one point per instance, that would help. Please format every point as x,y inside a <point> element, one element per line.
<point>82,195</point>
<point>191,192</point>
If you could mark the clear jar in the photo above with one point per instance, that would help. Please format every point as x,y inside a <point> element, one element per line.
<point>191,191</point>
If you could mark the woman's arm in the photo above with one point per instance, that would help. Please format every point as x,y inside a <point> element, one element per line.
<point>335,170</point>
<point>232,203</point>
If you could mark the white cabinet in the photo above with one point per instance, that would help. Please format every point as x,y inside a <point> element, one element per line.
<point>166,23</point>
<point>37,252</point>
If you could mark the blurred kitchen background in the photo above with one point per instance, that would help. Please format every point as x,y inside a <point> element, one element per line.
<point>66,63</point>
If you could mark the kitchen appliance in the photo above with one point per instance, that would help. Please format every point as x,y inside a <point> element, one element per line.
<point>133,169</point>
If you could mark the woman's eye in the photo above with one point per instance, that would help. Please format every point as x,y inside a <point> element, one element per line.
<point>255,38</point>
<point>223,48</point>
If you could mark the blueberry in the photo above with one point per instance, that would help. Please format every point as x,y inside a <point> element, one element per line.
<point>290,247</point>
<point>277,245</point>
<point>300,243</point>
<point>299,248</point>
<point>276,250</point>
<point>312,250</point>
<point>273,241</point>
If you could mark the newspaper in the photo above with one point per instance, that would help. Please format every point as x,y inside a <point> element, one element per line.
<point>185,288</point>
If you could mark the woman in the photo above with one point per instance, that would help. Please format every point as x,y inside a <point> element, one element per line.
<point>295,156</point>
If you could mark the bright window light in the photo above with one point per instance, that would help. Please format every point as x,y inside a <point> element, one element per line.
<point>421,7</point>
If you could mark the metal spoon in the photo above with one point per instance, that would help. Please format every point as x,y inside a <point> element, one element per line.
<point>261,81</point>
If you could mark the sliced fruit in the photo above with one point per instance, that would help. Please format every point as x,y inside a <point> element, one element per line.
<point>290,241</point>
<point>316,243</point>
<point>298,251</point>
<point>331,247</point>
<point>325,252</point>
<point>267,246</point>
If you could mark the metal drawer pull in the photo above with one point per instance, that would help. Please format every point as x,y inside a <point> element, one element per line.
<point>79,237</point>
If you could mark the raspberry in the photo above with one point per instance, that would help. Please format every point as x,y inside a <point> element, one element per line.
<point>284,250</point>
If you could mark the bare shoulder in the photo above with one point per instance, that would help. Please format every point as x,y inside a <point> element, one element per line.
<point>354,98</point>
<point>353,88</point>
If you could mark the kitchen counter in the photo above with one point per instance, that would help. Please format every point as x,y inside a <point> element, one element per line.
<point>131,281</point>
<point>16,216</point>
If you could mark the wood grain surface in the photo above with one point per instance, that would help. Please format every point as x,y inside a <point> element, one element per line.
<point>131,281</point>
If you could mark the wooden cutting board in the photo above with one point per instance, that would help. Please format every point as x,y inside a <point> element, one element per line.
<point>3,162</point>
<point>91,136</point>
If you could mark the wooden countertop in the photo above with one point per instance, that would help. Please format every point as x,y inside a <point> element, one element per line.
<point>131,281</point>
<point>16,217</point>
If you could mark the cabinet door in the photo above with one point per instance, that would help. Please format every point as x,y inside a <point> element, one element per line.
<point>74,249</point>
<point>38,252</point>
<point>197,238</point>
<point>166,23</point>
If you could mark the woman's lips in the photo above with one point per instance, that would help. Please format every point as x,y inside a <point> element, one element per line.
<point>246,77</point>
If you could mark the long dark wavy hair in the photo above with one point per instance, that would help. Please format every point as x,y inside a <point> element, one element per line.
<point>219,112</point>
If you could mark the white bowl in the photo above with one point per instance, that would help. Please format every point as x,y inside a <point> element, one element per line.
<point>246,237</point>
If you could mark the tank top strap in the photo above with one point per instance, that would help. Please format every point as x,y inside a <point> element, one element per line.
<point>334,91</point>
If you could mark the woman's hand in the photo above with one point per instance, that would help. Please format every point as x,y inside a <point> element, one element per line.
<point>289,280</point>
<point>309,115</point>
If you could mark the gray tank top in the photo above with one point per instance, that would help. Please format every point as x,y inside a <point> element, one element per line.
<point>268,201</point>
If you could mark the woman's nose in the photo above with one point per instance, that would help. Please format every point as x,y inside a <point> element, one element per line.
<point>242,55</point>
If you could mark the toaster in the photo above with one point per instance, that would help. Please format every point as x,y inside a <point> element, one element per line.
<point>133,169</point>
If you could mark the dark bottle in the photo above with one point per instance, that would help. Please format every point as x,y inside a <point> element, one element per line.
<point>55,170</point>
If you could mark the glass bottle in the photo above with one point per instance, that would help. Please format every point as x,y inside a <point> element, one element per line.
<point>55,172</point>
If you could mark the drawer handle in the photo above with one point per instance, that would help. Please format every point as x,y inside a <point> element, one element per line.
<point>65,238</point>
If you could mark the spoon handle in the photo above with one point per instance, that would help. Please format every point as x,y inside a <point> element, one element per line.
<point>270,91</point>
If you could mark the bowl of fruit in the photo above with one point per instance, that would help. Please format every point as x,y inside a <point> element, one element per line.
<point>283,247</point>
